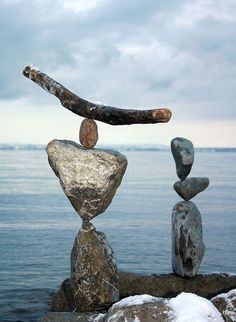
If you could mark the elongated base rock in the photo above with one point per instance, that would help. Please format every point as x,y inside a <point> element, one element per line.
<point>187,245</point>
<point>94,276</point>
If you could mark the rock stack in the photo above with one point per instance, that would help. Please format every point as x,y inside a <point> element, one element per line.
<point>89,178</point>
<point>187,244</point>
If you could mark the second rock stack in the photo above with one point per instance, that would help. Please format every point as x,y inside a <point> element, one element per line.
<point>187,244</point>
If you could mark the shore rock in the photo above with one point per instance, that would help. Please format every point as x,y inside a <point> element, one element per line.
<point>183,153</point>
<point>190,187</point>
<point>226,304</point>
<point>166,285</point>
<point>170,285</point>
<point>94,276</point>
<point>88,134</point>
<point>187,245</point>
<point>89,178</point>
<point>63,300</point>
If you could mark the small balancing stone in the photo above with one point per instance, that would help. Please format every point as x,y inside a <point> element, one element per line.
<point>88,134</point>
<point>190,187</point>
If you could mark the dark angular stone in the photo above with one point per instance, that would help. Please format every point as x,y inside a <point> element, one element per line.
<point>183,153</point>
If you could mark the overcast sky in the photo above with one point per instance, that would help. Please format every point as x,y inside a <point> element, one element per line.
<point>134,54</point>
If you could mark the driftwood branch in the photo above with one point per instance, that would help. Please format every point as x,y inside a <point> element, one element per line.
<point>106,114</point>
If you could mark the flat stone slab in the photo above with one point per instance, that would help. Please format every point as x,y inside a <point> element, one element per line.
<point>190,187</point>
<point>166,286</point>
<point>183,153</point>
<point>88,177</point>
<point>169,285</point>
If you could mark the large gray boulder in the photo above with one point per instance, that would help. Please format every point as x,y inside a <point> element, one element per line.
<point>190,187</point>
<point>183,153</point>
<point>89,177</point>
<point>94,276</point>
<point>187,245</point>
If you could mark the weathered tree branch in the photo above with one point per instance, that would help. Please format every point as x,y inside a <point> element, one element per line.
<point>106,114</point>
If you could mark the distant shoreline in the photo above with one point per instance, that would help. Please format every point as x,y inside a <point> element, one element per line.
<point>147,147</point>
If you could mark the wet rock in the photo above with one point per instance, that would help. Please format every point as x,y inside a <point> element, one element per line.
<point>187,245</point>
<point>88,134</point>
<point>89,178</point>
<point>143,308</point>
<point>190,187</point>
<point>72,317</point>
<point>183,153</point>
<point>226,304</point>
<point>94,276</point>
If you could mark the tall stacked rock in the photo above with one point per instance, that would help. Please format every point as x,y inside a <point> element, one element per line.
<point>89,178</point>
<point>187,244</point>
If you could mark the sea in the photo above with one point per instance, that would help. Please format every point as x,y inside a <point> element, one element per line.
<point>38,224</point>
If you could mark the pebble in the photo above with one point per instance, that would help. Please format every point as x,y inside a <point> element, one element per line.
<point>88,134</point>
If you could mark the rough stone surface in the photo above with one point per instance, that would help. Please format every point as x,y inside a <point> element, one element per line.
<point>190,187</point>
<point>94,276</point>
<point>88,134</point>
<point>170,285</point>
<point>63,300</point>
<point>146,308</point>
<point>183,153</point>
<point>72,317</point>
<point>155,310</point>
<point>166,285</point>
<point>187,245</point>
<point>89,178</point>
<point>226,304</point>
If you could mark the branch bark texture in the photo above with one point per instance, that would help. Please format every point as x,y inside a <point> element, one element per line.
<point>106,114</point>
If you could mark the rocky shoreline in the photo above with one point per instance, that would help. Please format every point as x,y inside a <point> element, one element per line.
<point>213,287</point>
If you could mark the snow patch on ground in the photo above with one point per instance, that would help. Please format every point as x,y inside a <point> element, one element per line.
<point>225,296</point>
<point>191,307</point>
<point>135,300</point>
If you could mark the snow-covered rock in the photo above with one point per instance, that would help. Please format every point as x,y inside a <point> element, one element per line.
<point>226,304</point>
<point>191,307</point>
<point>185,307</point>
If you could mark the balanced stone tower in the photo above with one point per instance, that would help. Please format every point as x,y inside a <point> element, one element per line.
<point>187,244</point>
<point>89,178</point>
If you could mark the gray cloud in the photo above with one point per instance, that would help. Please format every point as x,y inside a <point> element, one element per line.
<point>134,54</point>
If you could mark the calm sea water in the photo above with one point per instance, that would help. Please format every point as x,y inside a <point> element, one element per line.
<point>38,224</point>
